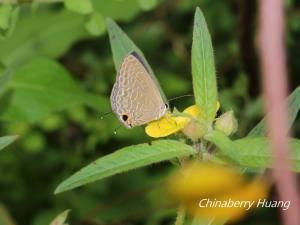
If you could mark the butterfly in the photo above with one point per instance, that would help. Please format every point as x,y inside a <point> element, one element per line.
<point>136,98</point>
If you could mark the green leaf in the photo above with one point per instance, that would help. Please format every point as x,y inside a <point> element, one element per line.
<point>224,144</point>
<point>8,18</point>
<point>203,68</point>
<point>61,218</point>
<point>147,4</point>
<point>42,87</point>
<point>252,152</point>
<point>44,33</point>
<point>50,33</point>
<point>256,152</point>
<point>5,12</point>
<point>7,140</point>
<point>122,45</point>
<point>96,24</point>
<point>126,159</point>
<point>79,6</point>
<point>124,10</point>
<point>4,79</point>
<point>294,107</point>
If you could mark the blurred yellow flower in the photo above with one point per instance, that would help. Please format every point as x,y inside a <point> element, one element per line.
<point>190,180</point>
<point>170,123</point>
<point>209,190</point>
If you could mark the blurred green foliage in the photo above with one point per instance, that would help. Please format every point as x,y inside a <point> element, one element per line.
<point>56,75</point>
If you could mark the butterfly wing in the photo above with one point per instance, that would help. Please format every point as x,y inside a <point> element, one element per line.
<point>135,97</point>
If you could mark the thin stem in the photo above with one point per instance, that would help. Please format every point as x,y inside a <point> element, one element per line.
<point>274,71</point>
<point>180,216</point>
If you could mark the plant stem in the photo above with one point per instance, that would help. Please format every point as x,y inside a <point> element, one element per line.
<point>274,79</point>
<point>180,216</point>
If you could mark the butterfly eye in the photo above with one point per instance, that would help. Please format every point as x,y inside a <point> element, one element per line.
<point>167,106</point>
<point>124,117</point>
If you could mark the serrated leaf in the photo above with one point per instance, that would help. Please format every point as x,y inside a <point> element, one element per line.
<point>42,87</point>
<point>7,140</point>
<point>61,218</point>
<point>79,6</point>
<point>126,159</point>
<point>203,68</point>
<point>122,45</point>
<point>252,152</point>
<point>293,106</point>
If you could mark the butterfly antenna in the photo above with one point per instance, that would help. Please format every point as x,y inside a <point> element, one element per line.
<point>178,97</point>
<point>115,131</point>
<point>105,114</point>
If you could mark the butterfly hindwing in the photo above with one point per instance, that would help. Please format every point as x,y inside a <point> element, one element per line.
<point>135,96</point>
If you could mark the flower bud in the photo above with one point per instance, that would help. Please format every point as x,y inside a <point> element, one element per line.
<point>226,123</point>
<point>195,130</point>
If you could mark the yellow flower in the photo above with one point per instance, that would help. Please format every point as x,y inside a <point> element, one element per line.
<point>170,123</point>
<point>193,111</point>
<point>166,125</point>
<point>209,190</point>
